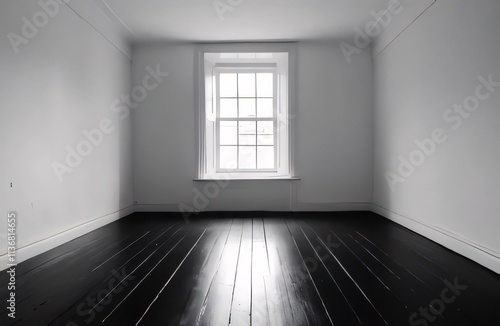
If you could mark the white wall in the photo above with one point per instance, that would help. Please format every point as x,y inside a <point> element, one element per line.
<point>61,82</point>
<point>333,136</point>
<point>434,64</point>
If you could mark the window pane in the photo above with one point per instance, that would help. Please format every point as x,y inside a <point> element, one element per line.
<point>265,127</point>
<point>247,107</point>
<point>265,107</point>
<point>246,85</point>
<point>228,85</point>
<point>247,157</point>
<point>265,140</point>
<point>228,133</point>
<point>265,85</point>
<point>248,139</point>
<point>228,108</point>
<point>247,127</point>
<point>228,157</point>
<point>265,157</point>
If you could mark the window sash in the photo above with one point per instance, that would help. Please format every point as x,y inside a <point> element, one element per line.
<point>246,69</point>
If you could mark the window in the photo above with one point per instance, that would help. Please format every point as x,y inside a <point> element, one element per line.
<point>244,118</point>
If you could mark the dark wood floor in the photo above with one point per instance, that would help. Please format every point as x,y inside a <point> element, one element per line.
<point>253,269</point>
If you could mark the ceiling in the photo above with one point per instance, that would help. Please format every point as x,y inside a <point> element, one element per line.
<point>239,20</point>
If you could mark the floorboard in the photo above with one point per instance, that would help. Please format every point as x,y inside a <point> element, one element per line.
<point>257,268</point>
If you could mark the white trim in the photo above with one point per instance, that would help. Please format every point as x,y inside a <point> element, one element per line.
<point>303,207</point>
<point>332,207</point>
<point>210,54</point>
<point>41,246</point>
<point>253,179</point>
<point>166,208</point>
<point>457,243</point>
<point>115,35</point>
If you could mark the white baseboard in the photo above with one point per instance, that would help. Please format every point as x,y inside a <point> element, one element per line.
<point>487,257</point>
<point>299,207</point>
<point>42,246</point>
<point>332,207</point>
<point>169,208</point>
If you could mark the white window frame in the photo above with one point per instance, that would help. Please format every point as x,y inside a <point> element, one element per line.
<point>281,60</point>
<point>246,68</point>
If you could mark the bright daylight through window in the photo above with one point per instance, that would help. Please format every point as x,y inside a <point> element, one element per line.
<point>244,119</point>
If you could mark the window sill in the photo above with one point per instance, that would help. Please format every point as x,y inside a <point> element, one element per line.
<point>249,179</point>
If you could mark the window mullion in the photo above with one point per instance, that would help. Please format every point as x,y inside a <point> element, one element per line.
<point>217,121</point>
<point>237,122</point>
<point>256,123</point>
<point>277,108</point>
